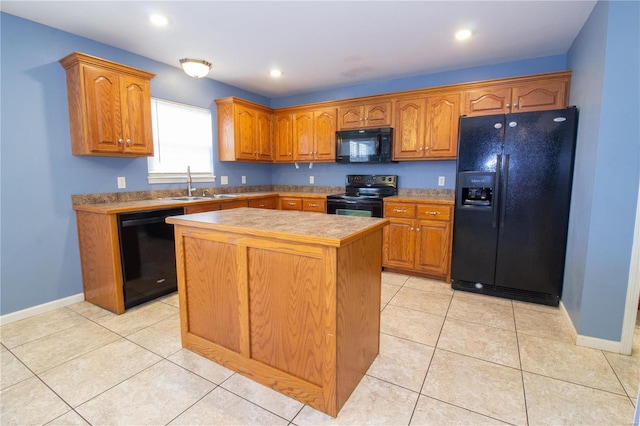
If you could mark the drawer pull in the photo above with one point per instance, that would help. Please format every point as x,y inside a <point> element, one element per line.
<point>313,205</point>
<point>291,204</point>
<point>399,210</point>
<point>433,213</point>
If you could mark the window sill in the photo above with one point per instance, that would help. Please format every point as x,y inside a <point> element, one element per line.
<point>179,178</point>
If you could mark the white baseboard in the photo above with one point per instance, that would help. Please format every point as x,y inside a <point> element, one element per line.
<point>590,342</point>
<point>40,309</point>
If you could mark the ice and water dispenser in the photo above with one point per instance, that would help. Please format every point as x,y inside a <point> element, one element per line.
<point>476,189</point>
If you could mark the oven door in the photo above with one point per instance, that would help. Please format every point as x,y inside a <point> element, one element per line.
<point>367,208</point>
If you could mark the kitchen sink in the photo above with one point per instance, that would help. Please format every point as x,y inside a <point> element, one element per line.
<point>223,196</point>
<point>189,198</point>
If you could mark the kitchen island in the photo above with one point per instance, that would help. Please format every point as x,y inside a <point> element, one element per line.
<point>289,299</point>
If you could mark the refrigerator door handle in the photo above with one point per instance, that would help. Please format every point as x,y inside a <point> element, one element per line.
<point>503,191</point>
<point>496,191</point>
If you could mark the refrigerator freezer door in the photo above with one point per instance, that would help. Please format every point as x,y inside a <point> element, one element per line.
<point>536,190</point>
<point>475,234</point>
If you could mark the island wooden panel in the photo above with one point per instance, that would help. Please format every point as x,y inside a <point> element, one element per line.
<point>302,317</point>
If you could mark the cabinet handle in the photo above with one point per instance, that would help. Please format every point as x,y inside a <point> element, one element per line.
<point>313,205</point>
<point>291,204</point>
<point>433,213</point>
<point>508,105</point>
<point>399,211</point>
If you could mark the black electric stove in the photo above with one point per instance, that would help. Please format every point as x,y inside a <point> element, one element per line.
<point>363,195</point>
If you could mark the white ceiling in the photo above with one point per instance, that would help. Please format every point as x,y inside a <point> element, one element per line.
<point>320,44</point>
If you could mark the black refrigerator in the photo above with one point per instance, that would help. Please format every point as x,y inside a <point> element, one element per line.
<point>513,191</point>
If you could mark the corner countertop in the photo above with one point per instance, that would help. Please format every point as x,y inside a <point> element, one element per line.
<point>295,226</point>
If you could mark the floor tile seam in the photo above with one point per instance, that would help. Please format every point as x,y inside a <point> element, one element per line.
<point>58,396</point>
<point>192,405</point>
<point>195,373</point>
<point>538,311</point>
<point>466,409</point>
<point>150,350</point>
<point>478,323</point>
<point>617,375</point>
<point>114,386</point>
<point>106,312</point>
<point>138,330</point>
<point>260,406</point>
<point>624,395</point>
<point>570,343</point>
<point>478,359</point>
<point>426,291</point>
<point>43,337</point>
<point>413,309</point>
<point>395,384</point>
<point>408,340</point>
<point>524,389</point>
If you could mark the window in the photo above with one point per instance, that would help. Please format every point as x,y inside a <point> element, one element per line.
<point>181,137</point>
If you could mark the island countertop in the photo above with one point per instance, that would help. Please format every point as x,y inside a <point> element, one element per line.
<point>330,230</point>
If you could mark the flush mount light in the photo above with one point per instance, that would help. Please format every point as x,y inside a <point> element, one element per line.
<point>158,20</point>
<point>196,68</point>
<point>275,73</point>
<point>463,34</point>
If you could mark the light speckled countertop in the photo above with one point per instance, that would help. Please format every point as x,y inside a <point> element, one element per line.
<point>329,230</point>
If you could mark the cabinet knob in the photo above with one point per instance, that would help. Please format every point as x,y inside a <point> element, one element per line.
<point>128,141</point>
<point>508,105</point>
<point>411,230</point>
<point>515,105</point>
<point>120,140</point>
<point>289,154</point>
<point>426,148</point>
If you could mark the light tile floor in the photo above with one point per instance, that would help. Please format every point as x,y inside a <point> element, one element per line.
<point>445,358</point>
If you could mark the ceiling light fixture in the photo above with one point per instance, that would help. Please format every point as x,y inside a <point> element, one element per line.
<point>196,68</point>
<point>158,20</point>
<point>463,34</point>
<point>275,73</point>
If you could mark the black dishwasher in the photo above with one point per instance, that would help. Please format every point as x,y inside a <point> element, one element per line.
<point>147,255</point>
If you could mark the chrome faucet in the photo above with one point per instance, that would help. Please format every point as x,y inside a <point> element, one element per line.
<point>189,188</point>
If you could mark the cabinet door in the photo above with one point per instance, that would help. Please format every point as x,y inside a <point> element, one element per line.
<point>246,132</point>
<point>350,117</point>
<point>103,114</point>
<point>136,116</point>
<point>378,115</point>
<point>263,138</point>
<point>408,139</point>
<point>325,134</point>
<point>540,95</point>
<point>443,114</point>
<point>494,100</point>
<point>303,136</point>
<point>432,246</point>
<point>398,242</point>
<point>283,137</point>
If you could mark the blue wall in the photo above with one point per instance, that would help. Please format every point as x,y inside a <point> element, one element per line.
<point>40,260</point>
<point>605,84</point>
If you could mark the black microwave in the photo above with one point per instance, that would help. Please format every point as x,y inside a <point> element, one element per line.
<point>364,145</point>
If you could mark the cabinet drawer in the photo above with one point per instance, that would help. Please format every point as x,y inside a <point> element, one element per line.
<point>287,203</point>
<point>234,204</point>
<point>314,205</point>
<point>264,203</point>
<point>399,210</point>
<point>199,208</point>
<point>434,212</point>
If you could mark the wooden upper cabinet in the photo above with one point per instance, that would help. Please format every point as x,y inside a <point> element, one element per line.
<point>408,137</point>
<point>364,115</point>
<point>441,133</point>
<point>314,135</point>
<point>283,137</point>
<point>427,127</point>
<point>244,131</point>
<point>109,107</point>
<point>543,93</point>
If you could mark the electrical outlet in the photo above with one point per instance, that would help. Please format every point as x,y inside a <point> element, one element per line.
<point>122,182</point>
<point>311,180</point>
<point>244,179</point>
<point>440,180</point>
<point>224,180</point>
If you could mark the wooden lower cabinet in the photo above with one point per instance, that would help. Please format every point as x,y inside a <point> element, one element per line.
<point>264,203</point>
<point>297,316</point>
<point>306,204</point>
<point>418,238</point>
<point>203,207</point>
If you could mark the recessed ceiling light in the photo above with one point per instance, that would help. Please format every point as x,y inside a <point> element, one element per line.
<point>463,34</point>
<point>158,20</point>
<point>275,73</point>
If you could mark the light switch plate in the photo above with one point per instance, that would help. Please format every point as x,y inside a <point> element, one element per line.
<point>440,180</point>
<point>244,179</point>
<point>312,180</point>
<point>224,180</point>
<point>122,182</point>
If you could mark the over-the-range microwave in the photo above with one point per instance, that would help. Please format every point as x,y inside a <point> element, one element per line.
<point>364,145</point>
